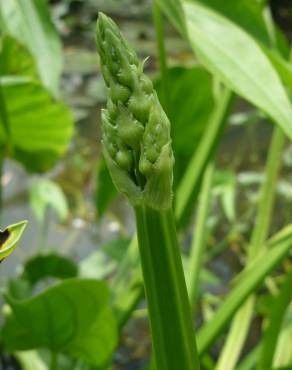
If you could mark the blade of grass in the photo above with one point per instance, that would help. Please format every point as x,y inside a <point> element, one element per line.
<point>249,361</point>
<point>169,311</point>
<point>232,349</point>
<point>278,247</point>
<point>199,236</point>
<point>275,318</point>
<point>283,353</point>
<point>236,336</point>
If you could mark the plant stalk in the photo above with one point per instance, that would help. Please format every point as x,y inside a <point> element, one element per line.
<point>230,353</point>
<point>199,236</point>
<point>54,361</point>
<point>190,183</point>
<point>158,23</point>
<point>169,311</point>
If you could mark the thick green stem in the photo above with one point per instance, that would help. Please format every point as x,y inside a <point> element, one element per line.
<point>231,352</point>
<point>199,237</point>
<point>169,311</point>
<point>54,361</point>
<point>162,53</point>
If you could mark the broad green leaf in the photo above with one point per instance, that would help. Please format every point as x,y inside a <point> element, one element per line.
<point>45,193</point>
<point>15,59</point>
<point>71,317</point>
<point>10,237</point>
<point>234,57</point>
<point>246,283</point>
<point>191,102</point>
<point>41,267</point>
<point>29,22</point>
<point>246,14</point>
<point>251,17</point>
<point>97,345</point>
<point>40,127</point>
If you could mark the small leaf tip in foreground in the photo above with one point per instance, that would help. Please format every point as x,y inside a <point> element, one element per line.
<point>9,238</point>
<point>135,130</point>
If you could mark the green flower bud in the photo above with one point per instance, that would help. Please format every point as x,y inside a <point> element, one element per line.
<point>135,130</point>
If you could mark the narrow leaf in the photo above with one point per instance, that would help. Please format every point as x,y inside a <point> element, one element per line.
<point>247,283</point>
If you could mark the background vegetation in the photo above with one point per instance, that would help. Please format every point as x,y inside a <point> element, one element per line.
<point>72,294</point>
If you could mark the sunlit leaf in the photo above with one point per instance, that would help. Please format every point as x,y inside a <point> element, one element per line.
<point>29,22</point>
<point>10,237</point>
<point>15,59</point>
<point>40,127</point>
<point>235,58</point>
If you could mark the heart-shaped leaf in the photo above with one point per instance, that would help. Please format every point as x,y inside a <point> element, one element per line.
<point>71,317</point>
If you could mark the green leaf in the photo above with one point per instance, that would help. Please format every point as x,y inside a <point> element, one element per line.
<point>97,345</point>
<point>30,23</point>
<point>283,353</point>
<point>40,127</point>
<point>276,317</point>
<point>246,14</point>
<point>45,193</point>
<point>15,59</point>
<point>71,317</point>
<point>234,57</point>
<point>191,103</point>
<point>41,267</point>
<point>10,237</point>
<point>246,283</point>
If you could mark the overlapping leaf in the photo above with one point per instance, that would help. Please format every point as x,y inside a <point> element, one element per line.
<point>30,23</point>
